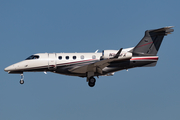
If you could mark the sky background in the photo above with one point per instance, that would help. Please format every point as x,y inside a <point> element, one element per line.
<point>39,26</point>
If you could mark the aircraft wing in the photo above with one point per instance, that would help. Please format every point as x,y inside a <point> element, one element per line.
<point>99,65</point>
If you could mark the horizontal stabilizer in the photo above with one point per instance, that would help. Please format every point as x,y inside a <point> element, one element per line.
<point>165,30</point>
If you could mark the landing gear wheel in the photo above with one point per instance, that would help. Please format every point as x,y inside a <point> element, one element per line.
<point>92,81</point>
<point>21,81</point>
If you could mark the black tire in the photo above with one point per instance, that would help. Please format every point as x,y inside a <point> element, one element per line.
<point>21,81</point>
<point>91,85</point>
<point>92,81</point>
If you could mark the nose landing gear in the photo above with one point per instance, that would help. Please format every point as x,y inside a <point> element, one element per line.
<point>22,79</point>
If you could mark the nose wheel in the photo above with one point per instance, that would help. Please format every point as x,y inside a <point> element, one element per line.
<point>22,79</point>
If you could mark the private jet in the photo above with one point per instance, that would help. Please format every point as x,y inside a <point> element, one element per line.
<point>95,64</point>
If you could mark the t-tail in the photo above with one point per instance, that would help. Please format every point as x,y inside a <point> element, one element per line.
<point>151,42</point>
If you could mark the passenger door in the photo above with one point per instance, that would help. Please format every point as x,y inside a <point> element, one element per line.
<point>52,61</point>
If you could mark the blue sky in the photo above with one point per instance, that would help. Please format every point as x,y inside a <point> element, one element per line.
<point>29,27</point>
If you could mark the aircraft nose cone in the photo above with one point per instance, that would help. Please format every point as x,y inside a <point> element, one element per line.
<point>9,68</point>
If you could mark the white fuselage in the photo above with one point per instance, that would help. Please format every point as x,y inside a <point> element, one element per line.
<point>65,63</point>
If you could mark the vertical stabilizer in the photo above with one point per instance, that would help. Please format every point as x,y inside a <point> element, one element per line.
<point>150,43</point>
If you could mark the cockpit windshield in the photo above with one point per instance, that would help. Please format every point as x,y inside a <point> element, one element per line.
<point>33,57</point>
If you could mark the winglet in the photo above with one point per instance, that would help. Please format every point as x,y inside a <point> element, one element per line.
<point>118,53</point>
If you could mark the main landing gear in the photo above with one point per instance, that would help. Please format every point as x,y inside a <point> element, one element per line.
<point>91,82</point>
<point>90,79</point>
<point>22,79</point>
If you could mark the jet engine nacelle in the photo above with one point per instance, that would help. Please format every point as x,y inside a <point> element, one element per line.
<point>108,53</point>
<point>111,53</point>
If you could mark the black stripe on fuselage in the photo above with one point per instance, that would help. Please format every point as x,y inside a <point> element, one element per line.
<point>113,67</point>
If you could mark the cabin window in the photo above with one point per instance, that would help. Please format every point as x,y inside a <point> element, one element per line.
<point>67,57</point>
<point>82,56</point>
<point>33,57</point>
<point>74,57</point>
<point>60,57</point>
<point>93,57</point>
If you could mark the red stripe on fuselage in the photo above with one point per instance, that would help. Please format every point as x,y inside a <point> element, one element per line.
<point>144,58</point>
<point>78,62</point>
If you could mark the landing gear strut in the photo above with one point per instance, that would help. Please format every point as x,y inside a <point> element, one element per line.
<point>22,79</point>
<point>92,81</point>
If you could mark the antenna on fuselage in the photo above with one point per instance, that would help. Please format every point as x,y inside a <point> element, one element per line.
<point>96,50</point>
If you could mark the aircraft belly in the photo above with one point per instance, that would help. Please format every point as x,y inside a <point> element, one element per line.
<point>142,63</point>
<point>114,67</point>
